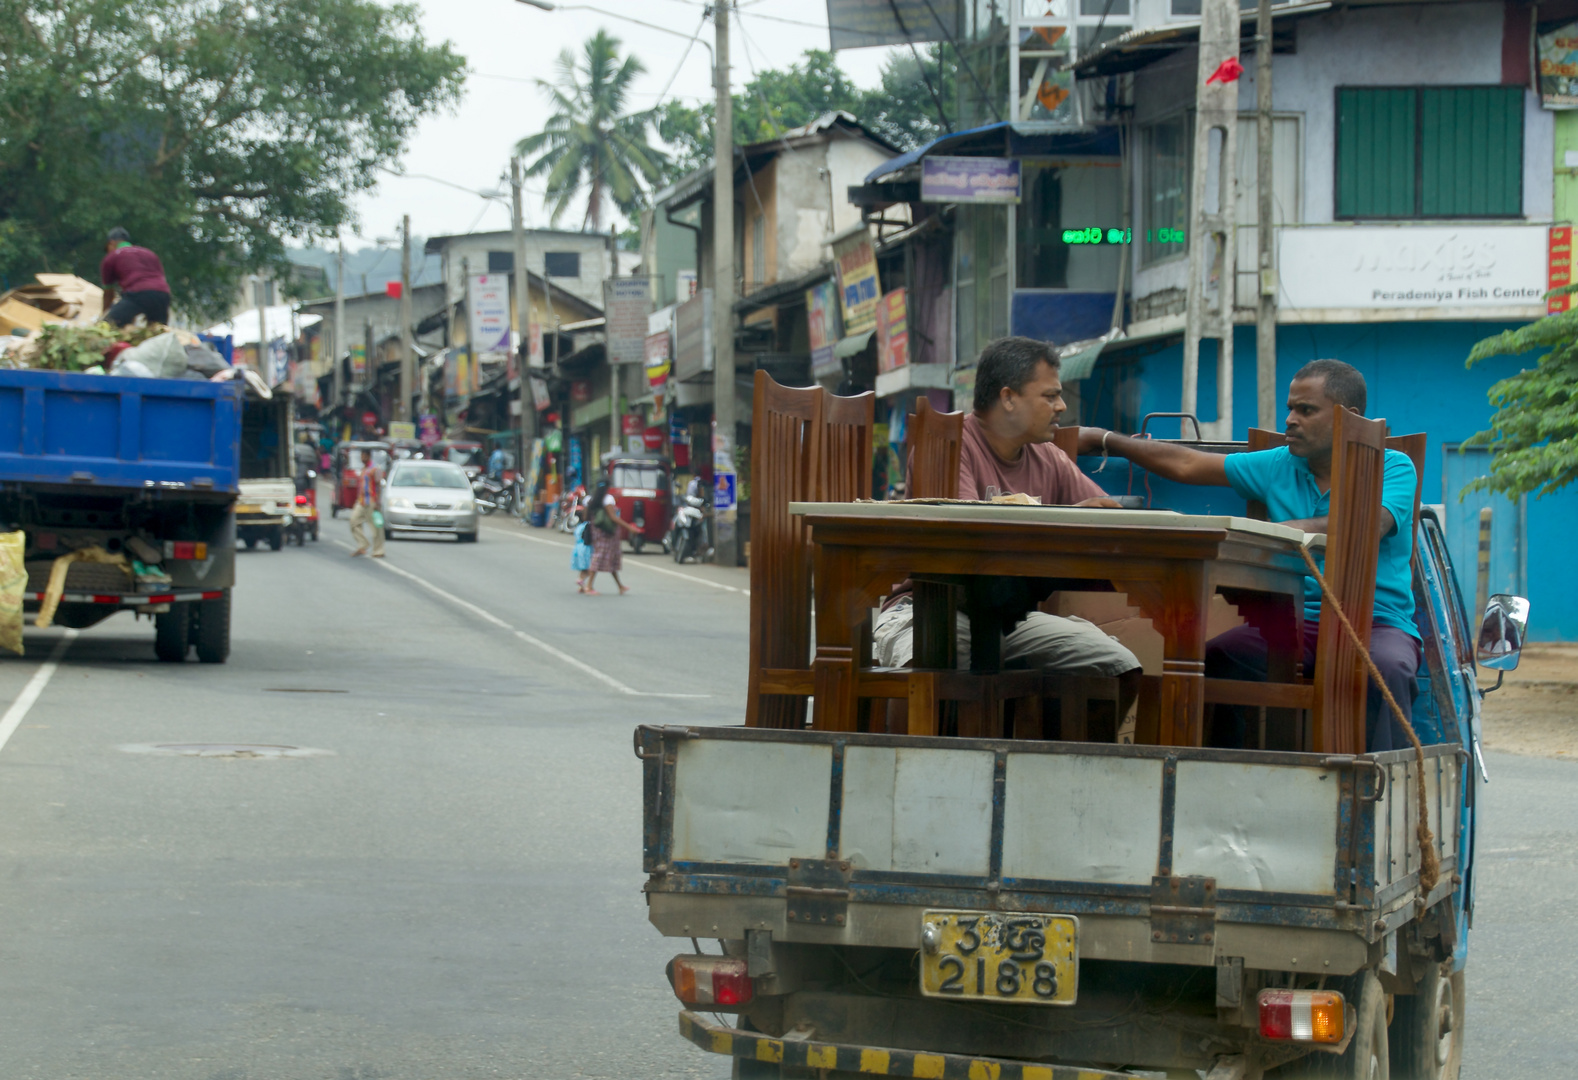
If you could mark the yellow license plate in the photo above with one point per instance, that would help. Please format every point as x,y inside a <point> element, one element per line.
<point>1018,957</point>
<point>248,508</point>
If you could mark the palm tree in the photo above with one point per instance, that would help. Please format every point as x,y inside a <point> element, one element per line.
<point>587,142</point>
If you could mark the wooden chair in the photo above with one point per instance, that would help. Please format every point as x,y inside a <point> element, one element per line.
<point>786,466</point>
<point>845,453</point>
<point>1352,551</point>
<point>933,444</point>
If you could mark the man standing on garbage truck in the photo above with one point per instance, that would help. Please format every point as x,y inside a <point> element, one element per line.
<point>140,277</point>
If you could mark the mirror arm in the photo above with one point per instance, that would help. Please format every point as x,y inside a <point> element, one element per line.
<point>1500,675</point>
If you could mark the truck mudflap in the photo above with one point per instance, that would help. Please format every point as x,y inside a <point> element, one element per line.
<point>872,1060</point>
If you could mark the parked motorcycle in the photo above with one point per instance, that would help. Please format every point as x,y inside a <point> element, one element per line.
<point>491,495</point>
<point>688,535</point>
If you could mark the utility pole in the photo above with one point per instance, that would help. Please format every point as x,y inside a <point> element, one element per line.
<point>340,345</point>
<point>1266,306</point>
<point>407,345</point>
<point>1211,238</point>
<point>726,542</point>
<point>264,371</point>
<point>524,319</point>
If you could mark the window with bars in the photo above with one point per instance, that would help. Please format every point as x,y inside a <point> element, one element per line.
<point>1430,152</point>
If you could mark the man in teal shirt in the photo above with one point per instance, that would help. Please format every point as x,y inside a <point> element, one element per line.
<point>1294,482</point>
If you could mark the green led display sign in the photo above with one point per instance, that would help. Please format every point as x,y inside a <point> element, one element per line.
<point>1096,235</point>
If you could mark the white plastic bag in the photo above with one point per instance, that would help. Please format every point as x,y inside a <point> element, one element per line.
<point>163,355</point>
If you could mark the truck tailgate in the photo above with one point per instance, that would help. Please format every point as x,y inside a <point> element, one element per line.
<point>1165,854</point>
<point>108,431</point>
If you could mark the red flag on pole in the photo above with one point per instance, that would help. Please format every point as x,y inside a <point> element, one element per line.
<point>1228,71</point>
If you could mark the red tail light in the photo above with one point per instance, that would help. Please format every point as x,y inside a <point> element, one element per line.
<point>711,980</point>
<point>1302,1015</point>
<point>187,549</point>
<point>301,500</point>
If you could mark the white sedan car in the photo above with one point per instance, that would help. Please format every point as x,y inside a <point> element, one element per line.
<point>423,496</point>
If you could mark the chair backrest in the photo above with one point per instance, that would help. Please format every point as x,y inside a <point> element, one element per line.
<point>1261,439</point>
<point>934,442</point>
<point>1414,447</point>
<point>786,443</point>
<point>1352,551</point>
<point>845,453</point>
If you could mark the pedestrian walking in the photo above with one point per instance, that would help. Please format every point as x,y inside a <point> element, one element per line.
<point>607,529</point>
<point>581,554</point>
<point>365,512</point>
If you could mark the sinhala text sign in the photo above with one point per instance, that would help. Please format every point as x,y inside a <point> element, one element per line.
<point>626,304</point>
<point>490,316</point>
<point>970,180</point>
<point>1389,266</point>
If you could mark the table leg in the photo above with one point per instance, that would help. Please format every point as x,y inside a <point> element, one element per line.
<point>835,705</point>
<point>1177,606</point>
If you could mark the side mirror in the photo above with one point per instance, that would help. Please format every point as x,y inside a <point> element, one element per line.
<point>1501,632</point>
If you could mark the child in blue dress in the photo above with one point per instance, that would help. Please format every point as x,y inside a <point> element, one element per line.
<point>581,555</point>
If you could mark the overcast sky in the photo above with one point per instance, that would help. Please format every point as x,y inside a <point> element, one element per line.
<point>508,45</point>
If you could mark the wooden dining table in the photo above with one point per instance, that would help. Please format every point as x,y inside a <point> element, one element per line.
<point>1169,566</point>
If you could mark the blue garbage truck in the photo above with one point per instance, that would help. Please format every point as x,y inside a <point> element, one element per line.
<point>125,489</point>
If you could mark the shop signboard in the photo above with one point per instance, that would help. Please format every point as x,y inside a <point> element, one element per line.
<point>1454,268</point>
<point>1560,269</point>
<point>893,339</point>
<point>580,391</point>
<point>859,288</point>
<point>626,304</point>
<point>358,362</point>
<point>428,430</point>
<point>693,336</point>
<point>858,24</point>
<point>488,298</point>
<point>1558,56</point>
<point>821,313</point>
<point>402,429</point>
<point>969,180</point>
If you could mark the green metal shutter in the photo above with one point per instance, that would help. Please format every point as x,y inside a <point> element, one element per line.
<point>1471,151</point>
<point>1375,152</point>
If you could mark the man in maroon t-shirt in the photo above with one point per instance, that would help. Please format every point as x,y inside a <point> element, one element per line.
<point>1007,450</point>
<point>139,275</point>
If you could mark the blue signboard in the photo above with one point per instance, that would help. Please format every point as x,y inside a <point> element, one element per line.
<point>969,180</point>
<point>723,491</point>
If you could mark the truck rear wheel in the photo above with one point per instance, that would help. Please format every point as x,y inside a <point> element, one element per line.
<point>172,633</point>
<point>276,539</point>
<point>1427,1028</point>
<point>212,636</point>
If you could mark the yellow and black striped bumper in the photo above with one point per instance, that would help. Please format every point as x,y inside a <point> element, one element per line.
<point>871,1060</point>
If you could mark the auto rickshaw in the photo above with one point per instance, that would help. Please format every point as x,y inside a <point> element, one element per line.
<point>643,490</point>
<point>348,471</point>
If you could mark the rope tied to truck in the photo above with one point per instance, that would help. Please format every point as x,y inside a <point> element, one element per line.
<point>1429,863</point>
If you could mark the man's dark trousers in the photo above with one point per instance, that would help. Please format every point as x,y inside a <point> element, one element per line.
<point>1241,654</point>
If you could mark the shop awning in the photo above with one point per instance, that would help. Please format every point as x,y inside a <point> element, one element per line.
<point>1078,358</point>
<point>853,345</point>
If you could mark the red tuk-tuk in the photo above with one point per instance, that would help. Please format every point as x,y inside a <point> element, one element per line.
<point>643,490</point>
<point>348,471</point>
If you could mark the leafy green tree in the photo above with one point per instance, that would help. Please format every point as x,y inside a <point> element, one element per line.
<point>590,143</point>
<point>211,129</point>
<point>1533,435</point>
<point>902,110</point>
<point>905,110</point>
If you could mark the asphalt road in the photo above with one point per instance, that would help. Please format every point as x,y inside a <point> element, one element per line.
<point>452,889</point>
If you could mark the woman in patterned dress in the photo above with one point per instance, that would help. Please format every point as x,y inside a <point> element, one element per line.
<point>607,553</point>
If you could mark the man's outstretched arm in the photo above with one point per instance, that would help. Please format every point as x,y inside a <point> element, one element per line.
<point>1166,459</point>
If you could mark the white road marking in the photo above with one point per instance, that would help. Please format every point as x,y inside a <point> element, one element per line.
<point>535,642</point>
<point>637,565</point>
<point>35,686</point>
